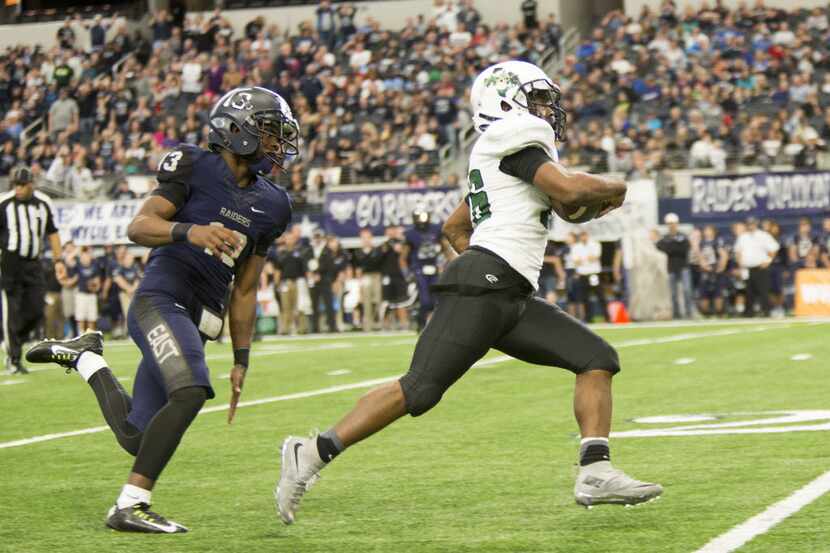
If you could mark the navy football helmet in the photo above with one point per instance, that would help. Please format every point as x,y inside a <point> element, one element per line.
<point>254,123</point>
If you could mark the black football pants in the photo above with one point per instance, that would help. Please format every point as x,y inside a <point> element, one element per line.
<point>23,292</point>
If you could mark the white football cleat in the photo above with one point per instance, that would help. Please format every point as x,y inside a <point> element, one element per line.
<point>600,482</point>
<point>299,470</point>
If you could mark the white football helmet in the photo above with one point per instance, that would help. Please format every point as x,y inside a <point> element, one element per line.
<point>512,87</point>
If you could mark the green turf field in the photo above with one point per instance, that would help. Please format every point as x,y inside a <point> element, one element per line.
<point>490,469</point>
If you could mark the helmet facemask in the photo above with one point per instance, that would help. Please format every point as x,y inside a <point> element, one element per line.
<point>542,98</point>
<point>279,136</point>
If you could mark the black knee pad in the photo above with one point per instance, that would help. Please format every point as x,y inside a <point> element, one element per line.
<point>421,395</point>
<point>188,400</point>
<point>606,358</point>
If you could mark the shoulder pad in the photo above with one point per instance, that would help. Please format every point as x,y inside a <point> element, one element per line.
<point>513,134</point>
<point>177,164</point>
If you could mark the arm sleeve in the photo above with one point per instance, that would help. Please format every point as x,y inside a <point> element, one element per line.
<point>524,163</point>
<point>173,175</point>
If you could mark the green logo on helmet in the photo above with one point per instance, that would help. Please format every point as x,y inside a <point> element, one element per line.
<point>503,81</point>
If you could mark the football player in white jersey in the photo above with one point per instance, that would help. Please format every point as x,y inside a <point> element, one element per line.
<point>485,297</point>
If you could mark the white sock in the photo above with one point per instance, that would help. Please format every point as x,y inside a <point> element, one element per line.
<point>89,363</point>
<point>132,495</point>
<point>589,439</point>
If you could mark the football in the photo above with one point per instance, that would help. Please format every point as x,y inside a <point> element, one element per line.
<point>577,213</point>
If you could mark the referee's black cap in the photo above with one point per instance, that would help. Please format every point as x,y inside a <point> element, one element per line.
<point>21,175</point>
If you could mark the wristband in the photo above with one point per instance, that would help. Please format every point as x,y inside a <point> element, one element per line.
<point>178,232</point>
<point>240,356</point>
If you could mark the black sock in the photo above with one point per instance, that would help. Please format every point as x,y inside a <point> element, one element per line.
<point>594,451</point>
<point>329,445</point>
<point>116,404</point>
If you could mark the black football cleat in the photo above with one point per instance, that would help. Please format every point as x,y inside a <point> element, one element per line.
<point>139,518</point>
<point>66,352</point>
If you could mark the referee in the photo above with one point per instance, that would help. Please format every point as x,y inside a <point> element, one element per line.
<point>27,219</point>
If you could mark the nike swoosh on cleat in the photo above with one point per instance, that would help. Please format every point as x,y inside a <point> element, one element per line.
<point>169,527</point>
<point>59,350</point>
<point>297,446</point>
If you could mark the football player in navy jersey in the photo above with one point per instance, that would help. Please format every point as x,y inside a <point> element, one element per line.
<point>713,280</point>
<point>423,245</point>
<point>803,243</point>
<point>210,223</point>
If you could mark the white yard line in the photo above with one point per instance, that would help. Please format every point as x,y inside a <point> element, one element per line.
<point>125,342</point>
<point>215,409</point>
<point>774,514</point>
<point>369,383</point>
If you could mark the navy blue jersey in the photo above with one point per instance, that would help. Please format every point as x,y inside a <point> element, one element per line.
<point>425,247</point>
<point>86,273</point>
<point>130,274</point>
<point>205,192</point>
<point>803,244</point>
<point>729,246</point>
<point>709,252</point>
<point>106,264</point>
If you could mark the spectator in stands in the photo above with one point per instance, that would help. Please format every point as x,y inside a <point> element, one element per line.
<point>676,246</point>
<point>59,168</point>
<point>97,33</point>
<point>63,115</point>
<point>529,13</point>
<point>162,28</point>
<point>122,190</point>
<point>754,251</point>
<point>63,73</point>
<point>65,35</point>
<point>79,180</point>
<point>8,158</point>
<point>326,23</point>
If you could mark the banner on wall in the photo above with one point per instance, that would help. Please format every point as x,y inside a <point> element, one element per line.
<point>760,195</point>
<point>95,223</point>
<point>348,211</point>
<point>812,292</point>
<point>639,212</point>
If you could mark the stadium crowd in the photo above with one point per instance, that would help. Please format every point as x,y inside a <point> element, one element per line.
<point>374,104</point>
<point>315,285</point>
<point>701,86</point>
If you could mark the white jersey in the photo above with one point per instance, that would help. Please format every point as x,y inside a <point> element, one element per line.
<point>510,217</point>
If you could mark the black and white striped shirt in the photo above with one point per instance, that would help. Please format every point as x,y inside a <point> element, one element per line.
<point>24,225</point>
